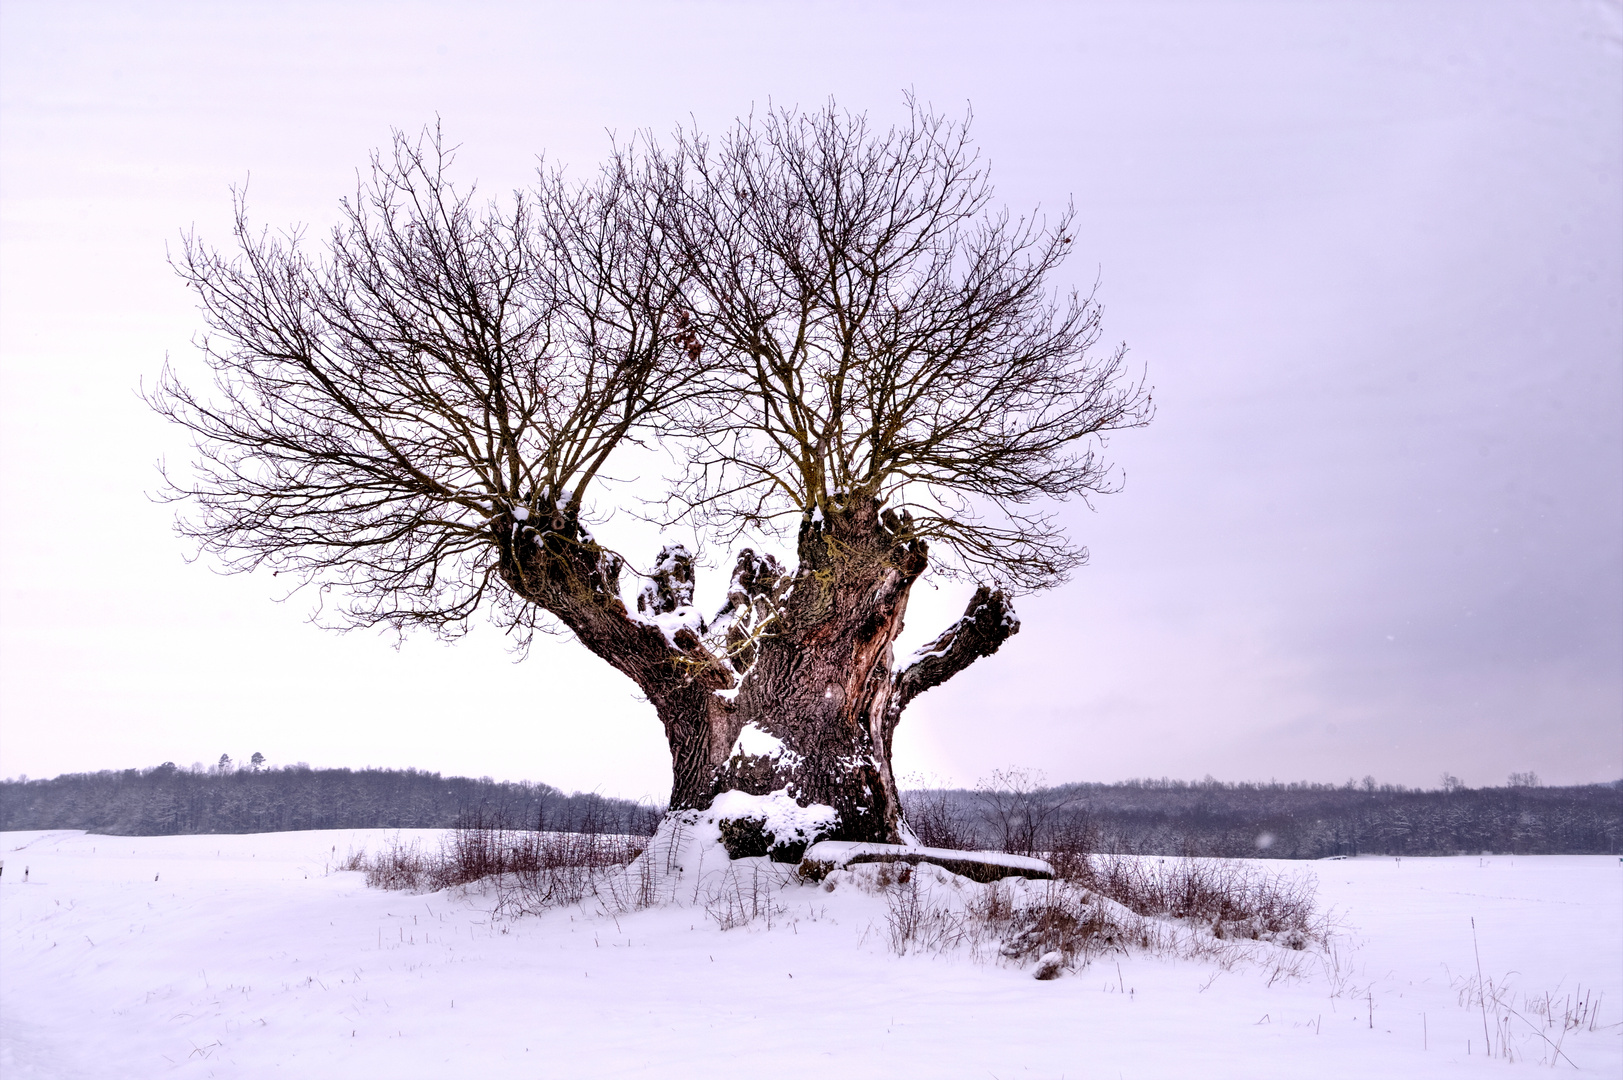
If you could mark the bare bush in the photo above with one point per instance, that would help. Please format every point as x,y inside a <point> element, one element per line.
<point>1018,810</point>
<point>741,899</point>
<point>913,920</point>
<point>935,820</point>
<point>553,869</point>
<point>400,866</point>
<point>928,911</point>
<point>1236,900</point>
<point>529,868</point>
<point>1062,921</point>
<point>1072,840</point>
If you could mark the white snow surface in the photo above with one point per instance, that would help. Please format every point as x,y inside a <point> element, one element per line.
<point>250,956</point>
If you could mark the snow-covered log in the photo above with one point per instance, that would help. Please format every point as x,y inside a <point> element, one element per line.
<point>823,858</point>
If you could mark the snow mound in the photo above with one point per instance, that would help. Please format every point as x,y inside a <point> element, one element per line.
<point>693,853</point>
<point>774,825</point>
<point>254,956</point>
<point>783,817</point>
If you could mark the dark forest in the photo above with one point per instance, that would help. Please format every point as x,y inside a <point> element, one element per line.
<point>167,799</point>
<point>1153,817</point>
<point>1281,821</point>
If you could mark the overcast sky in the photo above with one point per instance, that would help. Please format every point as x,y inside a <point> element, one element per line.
<point>1371,256</point>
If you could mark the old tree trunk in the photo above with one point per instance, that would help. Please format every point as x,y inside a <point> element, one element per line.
<point>805,656</point>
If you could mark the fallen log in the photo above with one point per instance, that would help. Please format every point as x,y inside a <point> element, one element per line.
<point>826,856</point>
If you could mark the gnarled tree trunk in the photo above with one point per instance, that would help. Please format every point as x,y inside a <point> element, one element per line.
<point>822,683</point>
<point>818,675</point>
<point>560,567</point>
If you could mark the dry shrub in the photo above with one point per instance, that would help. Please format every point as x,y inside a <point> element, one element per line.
<point>354,860</point>
<point>1071,841</point>
<point>1225,914</point>
<point>400,866</point>
<point>914,921</point>
<point>529,868</point>
<point>744,895</point>
<point>549,869</point>
<point>926,912</point>
<point>934,819</point>
<point>1061,921</point>
<point>1237,900</point>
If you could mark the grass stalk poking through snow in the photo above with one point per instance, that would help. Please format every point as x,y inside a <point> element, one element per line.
<point>529,868</point>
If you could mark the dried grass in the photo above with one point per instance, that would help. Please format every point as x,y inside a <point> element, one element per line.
<point>746,894</point>
<point>1513,1022</point>
<point>1220,912</point>
<point>529,868</point>
<point>1190,913</point>
<point>1237,900</point>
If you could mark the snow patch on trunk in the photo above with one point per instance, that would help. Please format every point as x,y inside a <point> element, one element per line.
<point>757,743</point>
<point>671,623</point>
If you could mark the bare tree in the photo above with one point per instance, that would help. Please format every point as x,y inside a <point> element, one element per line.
<point>829,325</point>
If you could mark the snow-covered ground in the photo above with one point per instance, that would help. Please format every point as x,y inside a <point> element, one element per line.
<point>250,956</point>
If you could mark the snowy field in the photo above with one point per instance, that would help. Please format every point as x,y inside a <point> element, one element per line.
<point>250,956</point>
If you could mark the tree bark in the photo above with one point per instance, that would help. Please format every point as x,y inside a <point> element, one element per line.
<point>563,570</point>
<point>826,683</point>
<point>821,683</point>
<point>820,675</point>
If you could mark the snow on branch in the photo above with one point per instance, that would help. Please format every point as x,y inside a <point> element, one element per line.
<point>987,622</point>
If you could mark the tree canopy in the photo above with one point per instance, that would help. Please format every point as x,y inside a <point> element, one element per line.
<point>833,332</point>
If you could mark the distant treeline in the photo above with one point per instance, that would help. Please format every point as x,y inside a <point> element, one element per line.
<point>1289,821</point>
<point>1151,817</point>
<point>166,799</point>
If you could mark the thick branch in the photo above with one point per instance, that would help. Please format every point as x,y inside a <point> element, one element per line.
<point>566,573</point>
<point>987,623</point>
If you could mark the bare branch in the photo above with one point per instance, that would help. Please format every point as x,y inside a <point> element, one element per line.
<point>869,327</point>
<point>988,621</point>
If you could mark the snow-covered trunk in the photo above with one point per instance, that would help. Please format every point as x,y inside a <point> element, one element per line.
<point>823,683</point>
<point>814,667</point>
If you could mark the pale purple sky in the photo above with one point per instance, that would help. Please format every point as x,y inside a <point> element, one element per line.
<point>1371,254</point>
